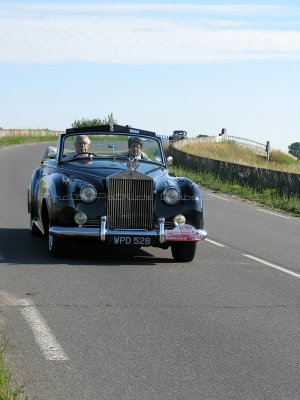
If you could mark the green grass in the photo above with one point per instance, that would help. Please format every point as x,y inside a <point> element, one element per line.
<point>9,140</point>
<point>232,152</point>
<point>8,390</point>
<point>269,197</point>
<point>283,158</point>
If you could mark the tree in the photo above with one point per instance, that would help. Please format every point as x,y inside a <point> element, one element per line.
<point>80,123</point>
<point>294,149</point>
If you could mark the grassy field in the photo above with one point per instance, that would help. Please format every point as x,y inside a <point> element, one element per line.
<point>269,197</point>
<point>231,152</point>
<point>9,140</point>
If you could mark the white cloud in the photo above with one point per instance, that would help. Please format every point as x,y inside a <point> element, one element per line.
<point>256,9</point>
<point>125,39</point>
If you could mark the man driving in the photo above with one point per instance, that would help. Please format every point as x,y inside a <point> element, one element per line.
<point>81,144</point>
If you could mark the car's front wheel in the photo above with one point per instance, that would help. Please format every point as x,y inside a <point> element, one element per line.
<point>183,251</point>
<point>56,246</point>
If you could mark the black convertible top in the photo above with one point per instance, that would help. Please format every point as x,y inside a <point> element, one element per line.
<point>115,128</point>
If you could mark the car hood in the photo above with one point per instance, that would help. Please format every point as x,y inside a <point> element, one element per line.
<point>105,169</point>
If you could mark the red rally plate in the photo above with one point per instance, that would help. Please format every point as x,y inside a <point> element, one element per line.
<point>183,233</point>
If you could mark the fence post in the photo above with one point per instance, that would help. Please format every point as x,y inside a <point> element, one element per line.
<point>224,134</point>
<point>268,150</point>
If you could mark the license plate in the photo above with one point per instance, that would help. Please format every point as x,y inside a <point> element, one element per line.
<point>123,240</point>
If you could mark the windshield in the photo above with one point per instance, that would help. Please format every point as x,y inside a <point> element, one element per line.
<point>98,145</point>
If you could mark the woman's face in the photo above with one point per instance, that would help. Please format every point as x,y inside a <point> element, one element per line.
<point>135,149</point>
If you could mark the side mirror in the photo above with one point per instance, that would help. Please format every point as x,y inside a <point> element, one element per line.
<point>50,152</point>
<point>169,161</point>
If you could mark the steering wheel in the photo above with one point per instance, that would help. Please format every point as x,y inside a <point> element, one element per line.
<point>87,154</point>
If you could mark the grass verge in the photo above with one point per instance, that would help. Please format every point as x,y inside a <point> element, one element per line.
<point>8,391</point>
<point>232,152</point>
<point>269,197</point>
<point>9,140</point>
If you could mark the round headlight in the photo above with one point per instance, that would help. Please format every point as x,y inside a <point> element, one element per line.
<point>80,218</point>
<point>179,220</point>
<point>171,196</point>
<point>88,193</point>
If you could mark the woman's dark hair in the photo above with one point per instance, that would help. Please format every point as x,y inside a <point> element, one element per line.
<point>136,140</point>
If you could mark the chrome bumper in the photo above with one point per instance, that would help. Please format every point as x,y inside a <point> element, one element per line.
<point>163,235</point>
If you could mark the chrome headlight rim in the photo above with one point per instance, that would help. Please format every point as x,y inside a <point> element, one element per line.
<point>88,193</point>
<point>171,201</point>
<point>179,220</point>
<point>80,218</point>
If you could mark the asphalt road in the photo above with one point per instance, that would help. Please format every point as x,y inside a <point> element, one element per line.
<point>112,325</point>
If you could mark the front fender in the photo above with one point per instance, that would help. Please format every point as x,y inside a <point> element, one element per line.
<point>32,192</point>
<point>190,204</point>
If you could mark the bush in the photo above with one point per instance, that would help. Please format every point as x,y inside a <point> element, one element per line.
<point>83,122</point>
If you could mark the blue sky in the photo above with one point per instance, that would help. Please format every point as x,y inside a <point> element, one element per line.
<point>157,65</point>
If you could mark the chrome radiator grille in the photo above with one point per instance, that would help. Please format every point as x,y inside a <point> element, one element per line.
<point>130,201</point>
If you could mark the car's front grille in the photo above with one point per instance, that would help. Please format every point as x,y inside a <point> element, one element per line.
<point>92,223</point>
<point>130,201</point>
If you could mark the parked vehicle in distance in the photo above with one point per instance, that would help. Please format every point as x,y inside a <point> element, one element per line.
<point>105,194</point>
<point>178,135</point>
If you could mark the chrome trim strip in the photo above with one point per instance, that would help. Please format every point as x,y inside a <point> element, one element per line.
<point>69,231</point>
<point>102,233</point>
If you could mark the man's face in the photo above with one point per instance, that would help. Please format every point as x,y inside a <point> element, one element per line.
<point>135,149</point>
<point>82,145</point>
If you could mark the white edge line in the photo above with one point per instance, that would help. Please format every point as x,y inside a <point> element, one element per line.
<point>269,212</point>
<point>218,197</point>
<point>44,337</point>
<point>215,243</point>
<point>273,265</point>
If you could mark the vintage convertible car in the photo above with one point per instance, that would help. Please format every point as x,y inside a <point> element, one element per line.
<point>106,194</point>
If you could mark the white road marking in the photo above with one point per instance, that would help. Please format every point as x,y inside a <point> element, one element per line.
<point>273,265</point>
<point>269,212</point>
<point>44,337</point>
<point>218,197</point>
<point>215,243</point>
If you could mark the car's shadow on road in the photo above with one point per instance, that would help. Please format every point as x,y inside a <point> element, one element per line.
<point>18,246</point>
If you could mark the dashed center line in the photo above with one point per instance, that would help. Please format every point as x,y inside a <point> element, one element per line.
<point>272,213</point>
<point>218,197</point>
<point>215,243</point>
<point>287,271</point>
<point>44,337</point>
